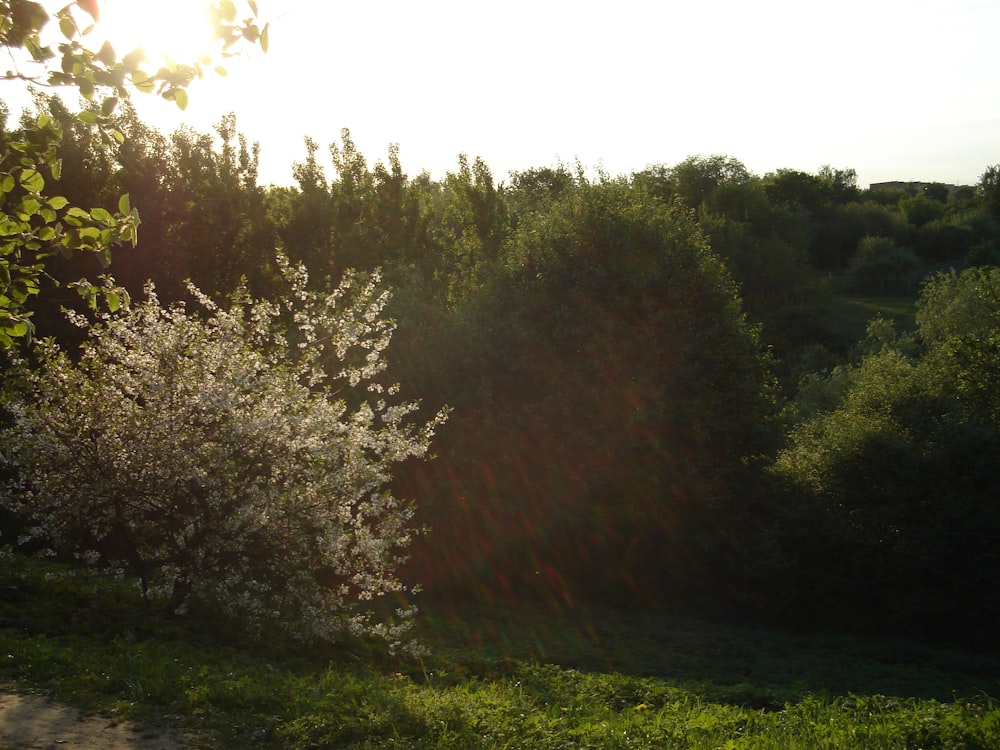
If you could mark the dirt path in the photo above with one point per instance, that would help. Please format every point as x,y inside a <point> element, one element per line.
<point>31,722</point>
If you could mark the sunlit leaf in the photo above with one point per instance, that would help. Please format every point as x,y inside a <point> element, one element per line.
<point>264,37</point>
<point>227,10</point>
<point>57,202</point>
<point>101,214</point>
<point>67,27</point>
<point>30,206</point>
<point>107,54</point>
<point>14,327</point>
<point>132,60</point>
<point>181,98</point>
<point>32,181</point>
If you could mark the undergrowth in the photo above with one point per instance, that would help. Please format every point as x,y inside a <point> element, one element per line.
<point>530,677</point>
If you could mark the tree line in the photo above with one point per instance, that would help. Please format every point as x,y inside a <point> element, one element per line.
<point>650,405</point>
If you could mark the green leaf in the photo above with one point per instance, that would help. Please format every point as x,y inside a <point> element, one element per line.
<point>89,118</point>
<point>13,327</point>
<point>107,54</point>
<point>124,207</point>
<point>253,7</point>
<point>67,27</point>
<point>6,183</point>
<point>181,98</point>
<point>132,60</point>
<point>56,168</point>
<point>29,206</point>
<point>143,82</point>
<point>108,106</point>
<point>57,202</point>
<point>114,301</point>
<point>101,214</point>
<point>32,181</point>
<point>264,37</point>
<point>118,135</point>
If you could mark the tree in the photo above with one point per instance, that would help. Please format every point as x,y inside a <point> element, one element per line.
<point>610,389</point>
<point>37,223</point>
<point>236,457</point>
<point>881,264</point>
<point>903,472</point>
<point>988,189</point>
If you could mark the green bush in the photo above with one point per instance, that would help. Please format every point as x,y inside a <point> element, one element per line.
<point>238,457</point>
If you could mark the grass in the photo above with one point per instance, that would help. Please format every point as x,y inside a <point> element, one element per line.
<point>850,315</point>
<point>531,677</point>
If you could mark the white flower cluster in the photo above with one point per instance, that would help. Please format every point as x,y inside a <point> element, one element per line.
<point>237,455</point>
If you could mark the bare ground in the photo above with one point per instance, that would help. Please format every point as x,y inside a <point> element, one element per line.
<point>32,722</point>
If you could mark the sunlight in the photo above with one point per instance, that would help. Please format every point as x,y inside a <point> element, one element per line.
<point>178,31</point>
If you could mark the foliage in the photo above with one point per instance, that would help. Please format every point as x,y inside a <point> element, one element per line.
<point>881,264</point>
<point>611,388</point>
<point>963,304</point>
<point>37,222</point>
<point>902,466</point>
<point>237,457</point>
<point>989,189</point>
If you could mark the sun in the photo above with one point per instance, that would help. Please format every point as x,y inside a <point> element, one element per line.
<point>167,30</point>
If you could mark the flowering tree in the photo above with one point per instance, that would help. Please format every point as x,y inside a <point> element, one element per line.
<point>238,457</point>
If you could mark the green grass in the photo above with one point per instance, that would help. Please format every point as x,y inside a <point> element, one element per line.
<point>531,677</point>
<point>850,315</point>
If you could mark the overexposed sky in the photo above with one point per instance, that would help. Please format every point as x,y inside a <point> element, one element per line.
<point>896,89</point>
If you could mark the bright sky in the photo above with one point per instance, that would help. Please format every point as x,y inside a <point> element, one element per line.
<point>896,89</point>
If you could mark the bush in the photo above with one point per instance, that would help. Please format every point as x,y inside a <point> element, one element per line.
<point>238,457</point>
<point>880,264</point>
<point>900,463</point>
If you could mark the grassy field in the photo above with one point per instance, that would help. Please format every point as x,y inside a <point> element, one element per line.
<point>536,677</point>
<point>850,315</point>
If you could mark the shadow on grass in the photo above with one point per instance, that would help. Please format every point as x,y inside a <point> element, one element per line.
<point>756,668</point>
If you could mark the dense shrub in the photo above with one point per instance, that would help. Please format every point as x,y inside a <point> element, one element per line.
<point>236,456</point>
<point>903,470</point>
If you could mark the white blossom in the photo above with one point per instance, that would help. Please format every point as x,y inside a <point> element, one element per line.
<point>227,454</point>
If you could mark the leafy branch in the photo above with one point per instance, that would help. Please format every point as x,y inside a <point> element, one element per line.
<point>36,223</point>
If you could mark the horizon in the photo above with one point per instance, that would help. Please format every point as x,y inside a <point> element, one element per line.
<point>897,91</point>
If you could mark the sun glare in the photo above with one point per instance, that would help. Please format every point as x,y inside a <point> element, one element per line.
<point>178,31</point>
